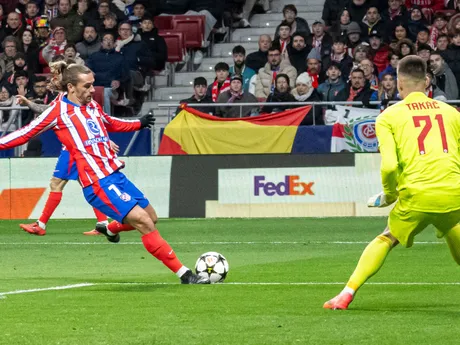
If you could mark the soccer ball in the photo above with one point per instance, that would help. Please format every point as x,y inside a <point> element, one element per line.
<point>212,265</point>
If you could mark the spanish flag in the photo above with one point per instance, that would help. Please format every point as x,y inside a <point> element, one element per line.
<point>193,132</point>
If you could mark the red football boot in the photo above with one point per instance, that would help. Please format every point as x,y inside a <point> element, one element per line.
<point>33,229</point>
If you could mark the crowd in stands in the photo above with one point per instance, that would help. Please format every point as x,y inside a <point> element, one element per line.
<point>350,54</point>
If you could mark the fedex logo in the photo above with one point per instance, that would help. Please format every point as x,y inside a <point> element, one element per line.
<point>290,186</point>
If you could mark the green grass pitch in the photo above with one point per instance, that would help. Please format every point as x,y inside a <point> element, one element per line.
<point>132,299</point>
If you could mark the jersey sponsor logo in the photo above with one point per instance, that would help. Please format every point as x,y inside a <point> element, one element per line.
<point>290,186</point>
<point>93,127</point>
<point>93,141</point>
<point>364,134</point>
<point>125,197</point>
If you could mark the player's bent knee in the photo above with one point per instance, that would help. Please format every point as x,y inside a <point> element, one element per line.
<point>394,240</point>
<point>57,184</point>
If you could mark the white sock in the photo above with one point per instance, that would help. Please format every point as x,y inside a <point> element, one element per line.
<point>348,290</point>
<point>110,233</point>
<point>181,271</point>
<point>41,225</point>
<point>104,222</point>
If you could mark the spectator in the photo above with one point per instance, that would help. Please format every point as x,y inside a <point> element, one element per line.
<point>137,15</point>
<point>405,47</point>
<point>314,68</point>
<point>109,68</point>
<point>423,37</point>
<point>258,59</point>
<point>296,24</point>
<point>452,55</point>
<point>444,79</point>
<point>372,22</point>
<point>10,49</point>
<point>358,9</point>
<point>21,83</point>
<point>298,52</point>
<point>331,11</point>
<point>90,43</point>
<point>339,54</point>
<point>396,11</point>
<point>439,27</point>
<point>13,26</point>
<point>341,26</point>
<point>428,7</point>
<point>393,59</point>
<point>399,33</point>
<point>54,47</point>
<point>361,52</point>
<point>358,89</point>
<point>387,91</point>
<point>416,22</point>
<point>379,50</point>
<point>110,24</point>
<point>51,9</point>
<point>69,20</point>
<point>221,83</point>
<point>39,93</point>
<point>30,49</point>
<point>19,65</point>
<point>454,24</point>
<point>42,31</point>
<point>155,43</point>
<point>453,5</point>
<point>31,15</point>
<point>281,93</point>
<point>236,95</point>
<point>103,10</point>
<point>354,37</point>
<point>320,40</point>
<point>284,38</point>
<point>239,67</point>
<point>432,90</point>
<point>368,67</point>
<point>199,96</point>
<point>334,84</point>
<point>442,43</point>
<point>7,117</point>
<point>424,51</point>
<point>70,52</point>
<point>265,80</point>
<point>305,92</point>
<point>138,58</point>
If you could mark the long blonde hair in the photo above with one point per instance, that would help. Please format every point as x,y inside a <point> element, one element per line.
<point>393,91</point>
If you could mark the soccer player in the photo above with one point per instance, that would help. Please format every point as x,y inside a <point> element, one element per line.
<point>82,126</point>
<point>65,170</point>
<point>419,144</point>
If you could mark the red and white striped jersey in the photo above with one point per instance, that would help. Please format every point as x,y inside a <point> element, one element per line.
<point>83,131</point>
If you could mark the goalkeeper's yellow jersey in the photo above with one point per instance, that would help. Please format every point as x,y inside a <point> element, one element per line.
<point>419,140</point>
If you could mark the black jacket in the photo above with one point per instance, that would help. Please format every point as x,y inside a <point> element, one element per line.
<point>195,104</point>
<point>158,48</point>
<point>363,96</point>
<point>301,26</point>
<point>326,44</point>
<point>276,96</point>
<point>452,57</point>
<point>298,58</point>
<point>318,112</point>
<point>345,65</point>
<point>256,60</point>
<point>331,10</point>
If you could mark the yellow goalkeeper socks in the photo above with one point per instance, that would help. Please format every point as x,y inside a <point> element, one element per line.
<point>453,241</point>
<point>370,262</point>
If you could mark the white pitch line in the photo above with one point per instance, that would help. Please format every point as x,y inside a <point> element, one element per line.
<point>195,243</point>
<point>82,285</point>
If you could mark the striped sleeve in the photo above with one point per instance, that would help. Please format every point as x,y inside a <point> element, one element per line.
<point>114,124</point>
<point>45,121</point>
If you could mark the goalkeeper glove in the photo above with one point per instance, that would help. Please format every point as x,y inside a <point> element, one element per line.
<point>147,120</point>
<point>380,200</point>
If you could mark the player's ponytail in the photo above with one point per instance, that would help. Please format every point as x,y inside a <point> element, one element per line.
<point>68,71</point>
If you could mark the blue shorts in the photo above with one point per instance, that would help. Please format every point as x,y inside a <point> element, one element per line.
<point>66,168</point>
<point>115,196</point>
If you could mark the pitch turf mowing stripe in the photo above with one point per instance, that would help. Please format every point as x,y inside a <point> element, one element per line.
<point>197,243</point>
<point>82,285</point>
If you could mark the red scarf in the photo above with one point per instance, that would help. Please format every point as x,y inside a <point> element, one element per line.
<point>216,91</point>
<point>353,94</point>
<point>314,79</point>
<point>284,45</point>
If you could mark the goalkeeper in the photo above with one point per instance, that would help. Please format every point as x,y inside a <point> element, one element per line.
<point>419,142</point>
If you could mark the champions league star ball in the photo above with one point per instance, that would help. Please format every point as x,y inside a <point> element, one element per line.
<point>212,265</point>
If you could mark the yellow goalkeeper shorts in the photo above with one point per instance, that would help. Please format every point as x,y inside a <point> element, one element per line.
<point>405,224</point>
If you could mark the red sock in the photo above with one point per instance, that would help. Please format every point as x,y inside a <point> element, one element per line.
<point>50,206</point>
<point>159,248</point>
<point>116,227</point>
<point>101,217</point>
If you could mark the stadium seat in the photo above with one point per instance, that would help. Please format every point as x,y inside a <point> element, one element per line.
<point>99,95</point>
<point>163,22</point>
<point>175,42</point>
<point>192,27</point>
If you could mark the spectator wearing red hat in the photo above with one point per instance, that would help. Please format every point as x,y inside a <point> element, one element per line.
<point>55,46</point>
